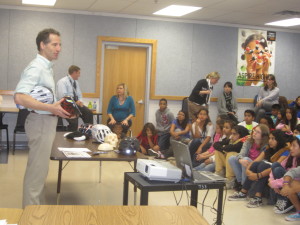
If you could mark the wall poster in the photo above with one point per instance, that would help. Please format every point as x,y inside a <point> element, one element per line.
<point>256,56</point>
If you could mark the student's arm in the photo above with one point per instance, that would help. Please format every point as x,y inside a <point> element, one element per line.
<point>144,151</point>
<point>221,105</point>
<point>204,142</point>
<point>29,102</point>
<point>219,144</point>
<point>232,147</point>
<point>196,130</point>
<point>274,94</point>
<point>172,131</point>
<point>250,174</point>
<point>186,130</point>
<point>234,105</point>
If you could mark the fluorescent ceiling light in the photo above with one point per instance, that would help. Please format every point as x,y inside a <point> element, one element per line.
<point>285,23</point>
<point>177,10</point>
<point>39,2</point>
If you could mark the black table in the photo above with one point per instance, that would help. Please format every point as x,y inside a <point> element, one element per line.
<point>147,186</point>
<point>57,155</point>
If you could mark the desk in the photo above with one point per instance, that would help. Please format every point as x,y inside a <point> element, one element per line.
<point>4,110</point>
<point>110,215</point>
<point>11,215</point>
<point>60,141</point>
<point>147,186</point>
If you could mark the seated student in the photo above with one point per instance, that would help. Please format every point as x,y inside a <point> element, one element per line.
<point>274,111</point>
<point>291,189</point>
<point>229,147</point>
<point>227,104</point>
<point>268,122</point>
<point>280,120</point>
<point>208,158</point>
<point>249,122</point>
<point>296,104</point>
<point>290,119</point>
<point>148,139</point>
<point>227,128</point>
<point>276,181</point>
<point>202,133</point>
<point>249,152</point>
<point>164,118</point>
<point>181,127</point>
<point>297,130</point>
<point>258,171</point>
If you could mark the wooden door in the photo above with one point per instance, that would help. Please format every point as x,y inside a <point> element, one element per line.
<point>123,64</point>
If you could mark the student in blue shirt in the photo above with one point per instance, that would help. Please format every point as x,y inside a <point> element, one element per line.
<point>120,109</point>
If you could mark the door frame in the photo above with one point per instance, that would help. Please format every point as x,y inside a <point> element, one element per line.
<point>149,44</point>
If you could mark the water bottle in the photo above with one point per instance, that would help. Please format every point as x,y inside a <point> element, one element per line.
<point>90,106</point>
<point>95,106</point>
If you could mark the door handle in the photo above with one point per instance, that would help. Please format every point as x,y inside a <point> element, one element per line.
<point>140,101</point>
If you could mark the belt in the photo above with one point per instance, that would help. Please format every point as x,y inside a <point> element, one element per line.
<point>42,114</point>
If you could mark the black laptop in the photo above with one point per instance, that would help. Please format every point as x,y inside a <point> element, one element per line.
<point>184,162</point>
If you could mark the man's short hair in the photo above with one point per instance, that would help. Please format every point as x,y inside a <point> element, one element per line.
<point>73,69</point>
<point>43,36</point>
<point>163,99</point>
<point>250,111</point>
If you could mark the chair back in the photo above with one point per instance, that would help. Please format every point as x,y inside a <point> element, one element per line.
<point>22,115</point>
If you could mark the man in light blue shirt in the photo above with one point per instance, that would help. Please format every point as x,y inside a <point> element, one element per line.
<point>69,86</point>
<point>40,125</point>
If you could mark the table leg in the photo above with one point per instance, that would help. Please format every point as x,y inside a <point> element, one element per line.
<point>220,206</point>
<point>100,166</point>
<point>125,190</point>
<point>194,198</point>
<point>134,187</point>
<point>144,197</point>
<point>59,176</point>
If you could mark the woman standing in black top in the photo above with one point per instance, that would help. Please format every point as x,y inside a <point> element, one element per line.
<point>201,94</point>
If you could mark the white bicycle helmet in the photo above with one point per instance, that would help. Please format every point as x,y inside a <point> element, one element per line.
<point>99,131</point>
<point>41,94</point>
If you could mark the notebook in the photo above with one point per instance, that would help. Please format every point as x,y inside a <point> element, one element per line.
<point>184,162</point>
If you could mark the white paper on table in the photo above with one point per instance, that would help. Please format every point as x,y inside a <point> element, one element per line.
<point>76,154</point>
<point>3,222</point>
<point>73,149</point>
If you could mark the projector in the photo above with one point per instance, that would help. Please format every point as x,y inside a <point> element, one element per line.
<point>158,170</point>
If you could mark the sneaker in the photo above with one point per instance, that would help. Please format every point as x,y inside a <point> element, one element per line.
<point>151,152</point>
<point>160,156</point>
<point>254,202</point>
<point>237,186</point>
<point>238,196</point>
<point>230,184</point>
<point>283,206</point>
<point>293,217</point>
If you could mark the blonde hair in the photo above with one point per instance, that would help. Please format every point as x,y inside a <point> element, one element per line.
<point>213,75</point>
<point>126,92</point>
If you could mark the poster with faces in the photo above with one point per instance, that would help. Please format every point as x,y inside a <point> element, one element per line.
<point>256,56</point>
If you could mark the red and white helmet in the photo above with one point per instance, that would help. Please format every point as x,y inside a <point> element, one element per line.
<point>99,132</point>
